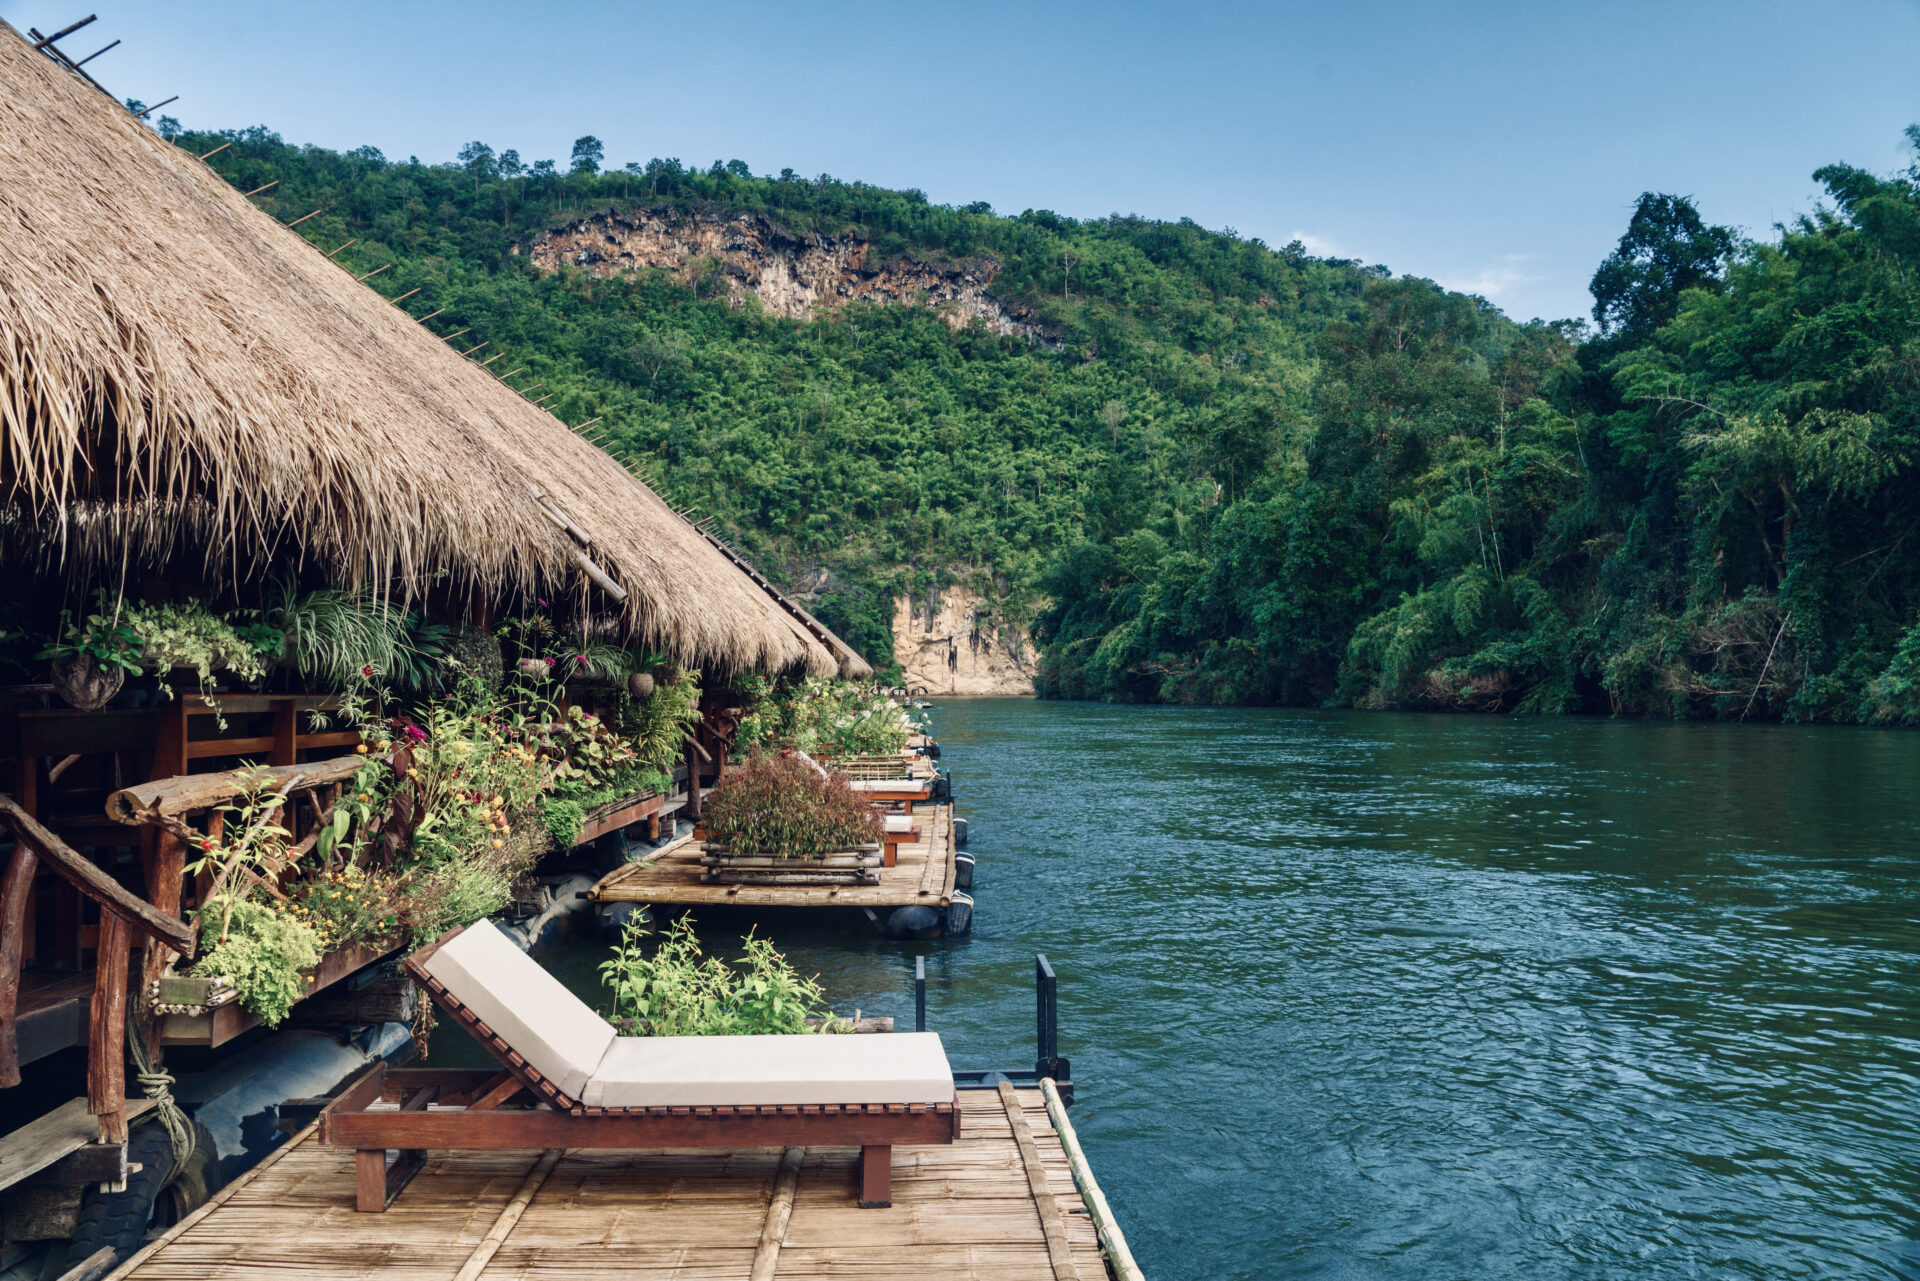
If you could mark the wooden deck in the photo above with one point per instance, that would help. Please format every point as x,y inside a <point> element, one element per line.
<point>987,1206</point>
<point>924,875</point>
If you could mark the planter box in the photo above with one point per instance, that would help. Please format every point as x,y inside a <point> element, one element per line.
<point>858,866</point>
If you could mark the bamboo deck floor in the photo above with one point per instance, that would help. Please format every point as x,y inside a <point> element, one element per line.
<point>970,1210</point>
<point>924,875</point>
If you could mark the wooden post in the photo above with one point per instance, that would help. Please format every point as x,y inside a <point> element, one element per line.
<point>170,744</point>
<point>286,725</point>
<point>15,890</point>
<point>876,1176</point>
<point>107,1029</point>
<point>26,784</point>
<point>370,1180</point>
<point>693,780</point>
<point>164,875</point>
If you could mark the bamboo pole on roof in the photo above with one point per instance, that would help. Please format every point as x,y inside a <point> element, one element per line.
<point>403,297</point>
<point>142,115</point>
<point>370,275</point>
<point>216,151</point>
<point>430,315</point>
<point>343,248</point>
<point>257,190</point>
<point>303,217</point>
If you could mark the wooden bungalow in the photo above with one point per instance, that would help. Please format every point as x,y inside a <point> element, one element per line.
<point>195,400</point>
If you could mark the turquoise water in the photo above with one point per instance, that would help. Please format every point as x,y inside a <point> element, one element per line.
<point>1362,995</point>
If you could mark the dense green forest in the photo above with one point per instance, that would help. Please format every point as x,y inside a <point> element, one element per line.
<point>1235,473</point>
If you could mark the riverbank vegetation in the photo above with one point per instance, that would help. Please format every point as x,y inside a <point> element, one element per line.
<point>1213,471</point>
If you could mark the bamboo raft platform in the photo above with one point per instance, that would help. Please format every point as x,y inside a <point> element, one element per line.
<point>923,876</point>
<point>1001,1202</point>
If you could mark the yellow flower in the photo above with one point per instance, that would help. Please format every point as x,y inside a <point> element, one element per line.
<point>360,748</point>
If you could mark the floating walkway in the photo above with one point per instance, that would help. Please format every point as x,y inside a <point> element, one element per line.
<point>923,876</point>
<point>1001,1202</point>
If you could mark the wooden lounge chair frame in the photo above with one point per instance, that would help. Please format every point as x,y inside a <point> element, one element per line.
<point>487,1119</point>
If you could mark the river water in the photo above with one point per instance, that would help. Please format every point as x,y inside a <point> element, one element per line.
<point>1389,996</point>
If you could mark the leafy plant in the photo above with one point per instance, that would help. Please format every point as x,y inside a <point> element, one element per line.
<point>676,990</point>
<point>261,952</point>
<point>106,637</point>
<point>657,726</point>
<point>846,718</point>
<point>785,807</point>
<point>188,634</point>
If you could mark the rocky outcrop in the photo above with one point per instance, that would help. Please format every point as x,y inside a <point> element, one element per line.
<point>792,275</point>
<point>948,644</point>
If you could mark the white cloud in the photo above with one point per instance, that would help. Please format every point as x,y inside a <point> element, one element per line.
<point>1494,281</point>
<point>1319,246</point>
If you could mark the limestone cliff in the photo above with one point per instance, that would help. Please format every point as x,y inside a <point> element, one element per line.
<point>792,275</point>
<point>948,644</point>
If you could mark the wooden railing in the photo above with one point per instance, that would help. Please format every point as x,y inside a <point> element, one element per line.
<point>123,915</point>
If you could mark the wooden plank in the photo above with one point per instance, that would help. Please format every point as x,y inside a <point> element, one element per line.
<point>91,880</point>
<point>214,1202</point>
<point>47,1140</point>
<point>1043,1201</point>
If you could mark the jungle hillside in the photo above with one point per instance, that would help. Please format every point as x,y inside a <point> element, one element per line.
<point>1197,468</point>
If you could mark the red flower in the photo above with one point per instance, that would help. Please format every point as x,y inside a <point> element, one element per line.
<point>366,670</point>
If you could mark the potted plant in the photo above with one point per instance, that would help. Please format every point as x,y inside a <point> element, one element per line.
<point>91,661</point>
<point>782,820</point>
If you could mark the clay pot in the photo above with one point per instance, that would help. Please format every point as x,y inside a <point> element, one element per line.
<point>85,684</point>
<point>640,685</point>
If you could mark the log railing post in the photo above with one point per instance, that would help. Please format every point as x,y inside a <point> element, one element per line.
<point>107,1029</point>
<point>15,890</point>
<point>163,891</point>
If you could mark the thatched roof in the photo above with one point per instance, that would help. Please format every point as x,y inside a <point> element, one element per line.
<point>180,374</point>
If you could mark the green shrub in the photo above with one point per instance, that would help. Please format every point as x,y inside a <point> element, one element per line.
<point>262,954</point>
<point>677,991</point>
<point>785,808</point>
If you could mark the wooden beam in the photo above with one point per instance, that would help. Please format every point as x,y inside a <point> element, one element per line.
<point>343,248</point>
<point>90,880</point>
<point>1044,1204</point>
<point>303,217</point>
<point>63,32</point>
<point>164,102</point>
<point>107,1029</point>
<point>185,793</point>
<point>216,151</point>
<point>773,1232</point>
<point>257,190</point>
<point>14,892</point>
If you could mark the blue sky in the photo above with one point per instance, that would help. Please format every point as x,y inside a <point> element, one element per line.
<point>1494,147</point>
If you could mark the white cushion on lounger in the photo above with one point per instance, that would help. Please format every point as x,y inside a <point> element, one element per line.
<point>890,785</point>
<point>899,822</point>
<point>532,1011</point>
<point>738,1071</point>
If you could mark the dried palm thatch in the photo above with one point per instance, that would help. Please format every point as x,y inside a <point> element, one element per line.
<point>181,376</point>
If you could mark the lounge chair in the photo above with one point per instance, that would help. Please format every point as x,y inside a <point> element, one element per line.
<point>590,1088</point>
<point>901,791</point>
